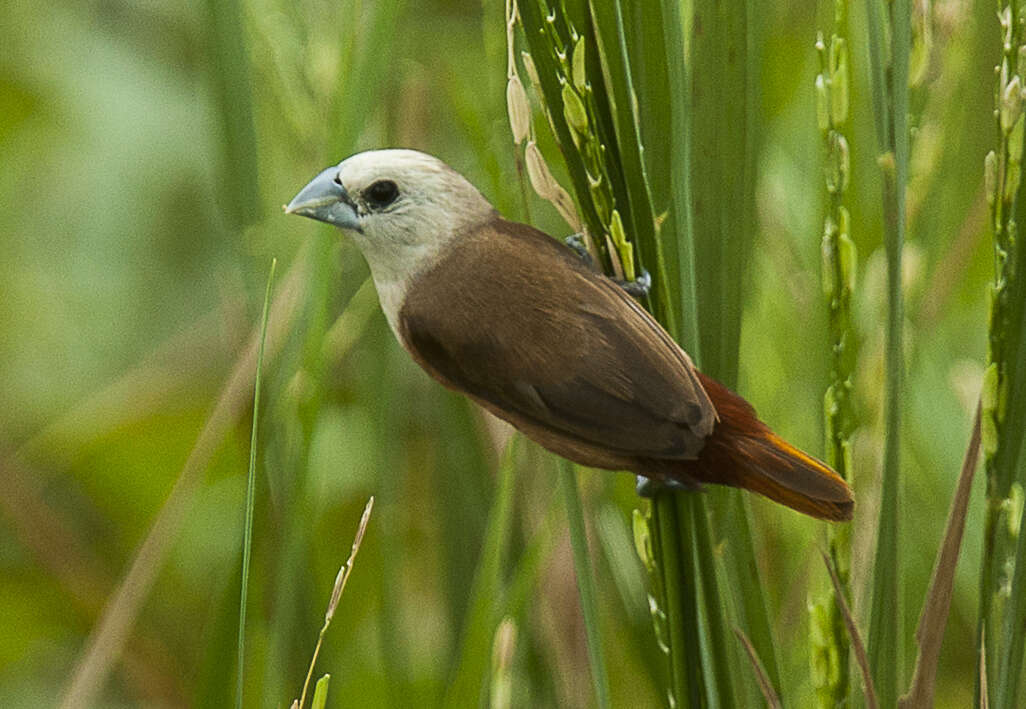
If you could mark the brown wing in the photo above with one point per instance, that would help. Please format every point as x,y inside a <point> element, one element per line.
<point>518,322</point>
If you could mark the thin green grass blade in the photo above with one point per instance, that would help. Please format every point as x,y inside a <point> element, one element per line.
<point>607,17</point>
<point>890,100</point>
<point>585,581</point>
<point>467,686</point>
<point>247,540</point>
<point>680,160</point>
<point>655,116</point>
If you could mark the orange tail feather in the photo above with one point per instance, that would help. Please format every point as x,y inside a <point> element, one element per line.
<point>743,452</point>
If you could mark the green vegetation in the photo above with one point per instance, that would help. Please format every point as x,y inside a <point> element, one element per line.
<point>144,151</point>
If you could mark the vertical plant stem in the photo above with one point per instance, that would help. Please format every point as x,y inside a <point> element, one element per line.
<point>595,123</point>
<point>675,546</point>
<point>247,538</point>
<point>680,159</point>
<point>831,652</point>
<point>725,672</point>
<point>585,581</point>
<point>890,93</point>
<point>721,87</point>
<point>1009,464</point>
<point>1003,414</point>
<point>673,554</point>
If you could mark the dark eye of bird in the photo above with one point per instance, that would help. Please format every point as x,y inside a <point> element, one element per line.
<point>382,193</point>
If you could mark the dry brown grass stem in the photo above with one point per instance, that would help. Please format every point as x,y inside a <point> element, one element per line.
<point>934,618</point>
<point>336,595</point>
<point>853,633</point>
<point>765,686</point>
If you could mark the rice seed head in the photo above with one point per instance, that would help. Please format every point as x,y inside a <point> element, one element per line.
<point>518,108</point>
<point>619,237</point>
<point>503,647</point>
<point>822,104</point>
<point>827,258</point>
<point>643,540</point>
<point>537,171</point>
<point>838,80</point>
<point>1013,510</point>
<point>1011,104</point>
<point>989,410</point>
<point>849,260</point>
<point>573,110</point>
<point>343,573</point>
<point>532,72</point>
<point>990,176</point>
<point>504,644</point>
<point>578,67</point>
<point>545,185</point>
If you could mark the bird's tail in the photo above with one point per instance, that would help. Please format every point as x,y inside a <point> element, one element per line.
<point>743,452</point>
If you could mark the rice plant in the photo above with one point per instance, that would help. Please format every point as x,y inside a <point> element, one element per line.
<point>145,151</point>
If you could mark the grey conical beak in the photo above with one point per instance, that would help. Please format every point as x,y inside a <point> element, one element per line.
<point>326,200</point>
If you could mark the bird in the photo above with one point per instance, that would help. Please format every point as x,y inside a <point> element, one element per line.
<point>521,324</point>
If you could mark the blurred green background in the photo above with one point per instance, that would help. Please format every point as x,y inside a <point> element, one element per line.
<point>145,150</point>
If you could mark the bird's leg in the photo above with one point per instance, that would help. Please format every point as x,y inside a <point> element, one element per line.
<point>579,247</point>
<point>638,288</point>
<point>650,487</point>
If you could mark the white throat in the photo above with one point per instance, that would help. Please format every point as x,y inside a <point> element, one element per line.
<point>395,270</point>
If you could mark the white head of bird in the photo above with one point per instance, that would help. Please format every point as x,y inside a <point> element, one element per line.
<point>400,207</point>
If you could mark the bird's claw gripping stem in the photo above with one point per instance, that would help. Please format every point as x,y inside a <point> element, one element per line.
<point>576,242</point>
<point>638,288</point>
<point>649,487</point>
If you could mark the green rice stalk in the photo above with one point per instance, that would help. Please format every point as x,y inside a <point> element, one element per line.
<point>1009,406</point>
<point>1003,400</point>
<point>830,646</point>
<point>721,105</point>
<point>890,74</point>
<point>585,581</point>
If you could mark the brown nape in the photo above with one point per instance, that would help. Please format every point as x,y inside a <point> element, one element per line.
<point>743,452</point>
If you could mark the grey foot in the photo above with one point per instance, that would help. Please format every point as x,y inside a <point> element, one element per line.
<point>576,242</point>
<point>648,487</point>
<point>639,287</point>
